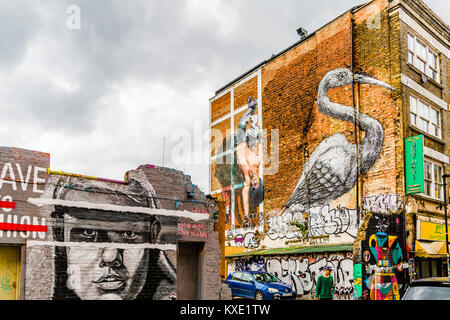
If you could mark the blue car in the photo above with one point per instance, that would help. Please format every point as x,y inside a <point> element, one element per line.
<point>259,286</point>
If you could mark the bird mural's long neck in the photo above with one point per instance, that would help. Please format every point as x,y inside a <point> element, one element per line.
<point>370,147</point>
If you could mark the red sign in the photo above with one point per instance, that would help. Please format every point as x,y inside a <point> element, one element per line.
<point>22,227</point>
<point>7,205</point>
<point>192,229</point>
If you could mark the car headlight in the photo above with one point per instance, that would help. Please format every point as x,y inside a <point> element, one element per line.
<point>272,290</point>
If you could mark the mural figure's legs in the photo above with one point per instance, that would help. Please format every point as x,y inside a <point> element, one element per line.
<point>247,159</point>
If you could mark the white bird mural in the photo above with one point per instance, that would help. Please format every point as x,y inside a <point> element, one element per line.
<point>331,171</point>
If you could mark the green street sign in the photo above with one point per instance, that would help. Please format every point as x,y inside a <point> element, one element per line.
<point>414,164</point>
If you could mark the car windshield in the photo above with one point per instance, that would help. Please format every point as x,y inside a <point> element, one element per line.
<point>265,277</point>
<point>428,293</point>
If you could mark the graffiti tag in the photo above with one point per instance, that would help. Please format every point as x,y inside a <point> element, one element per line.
<point>302,273</point>
<point>4,284</point>
<point>384,203</point>
<point>323,221</point>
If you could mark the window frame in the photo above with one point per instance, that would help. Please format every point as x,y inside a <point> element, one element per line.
<point>433,182</point>
<point>414,55</point>
<point>419,117</point>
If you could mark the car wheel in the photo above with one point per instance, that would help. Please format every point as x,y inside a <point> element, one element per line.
<point>259,295</point>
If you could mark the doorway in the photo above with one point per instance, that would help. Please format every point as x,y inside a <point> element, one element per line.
<point>9,273</point>
<point>188,270</point>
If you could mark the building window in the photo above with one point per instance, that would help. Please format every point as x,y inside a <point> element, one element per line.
<point>433,184</point>
<point>423,58</point>
<point>432,70</point>
<point>425,117</point>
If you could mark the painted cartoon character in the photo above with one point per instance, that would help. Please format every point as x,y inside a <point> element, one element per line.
<point>388,255</point>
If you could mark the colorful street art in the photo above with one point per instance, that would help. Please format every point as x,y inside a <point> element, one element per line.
<point>249,159</point>
<point>331,171</point>
<point>302,272</point>
<point>322,199</point>
<point>357,280</point>
<point>384,257</point>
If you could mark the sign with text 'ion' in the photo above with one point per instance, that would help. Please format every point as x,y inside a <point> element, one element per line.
<point>414,164</point>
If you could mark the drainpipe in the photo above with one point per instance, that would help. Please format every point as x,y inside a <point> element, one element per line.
<point>356,116</point>
<point>445,176</point>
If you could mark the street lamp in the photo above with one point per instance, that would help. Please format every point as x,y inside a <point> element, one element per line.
<point>445,176</point>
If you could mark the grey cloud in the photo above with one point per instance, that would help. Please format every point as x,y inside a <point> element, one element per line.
<point>16,30</point>
<point>146,41</point>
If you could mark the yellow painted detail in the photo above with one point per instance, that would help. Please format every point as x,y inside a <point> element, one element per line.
<point>9,273</point>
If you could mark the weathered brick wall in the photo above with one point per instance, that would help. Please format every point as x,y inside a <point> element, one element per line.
<point>290,105</point>
<point>189,230</point>
<point>434,33</point>
<point>220,107</point>
<point>105,240</point>
<point>377,53</point>
<point>23,176</point>
<point>92,238</point>
<point>290,84</point>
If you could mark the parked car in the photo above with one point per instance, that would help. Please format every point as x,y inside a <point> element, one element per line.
<point>259,286</point>
<point>429,289</point>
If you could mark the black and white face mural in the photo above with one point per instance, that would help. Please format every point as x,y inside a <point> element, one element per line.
<point>106,245</point>
<point>332,169</point>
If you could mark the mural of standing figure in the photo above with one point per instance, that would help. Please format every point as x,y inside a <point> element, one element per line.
<point>331,171</point>
<point>248,158</point>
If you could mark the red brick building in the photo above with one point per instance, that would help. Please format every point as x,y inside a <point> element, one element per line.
<point>341,180</point>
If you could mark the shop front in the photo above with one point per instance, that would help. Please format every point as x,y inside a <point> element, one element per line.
<point>430,251</point>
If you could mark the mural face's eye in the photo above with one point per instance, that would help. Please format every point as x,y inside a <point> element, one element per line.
<point>89,234</point>
<point>129,235</point>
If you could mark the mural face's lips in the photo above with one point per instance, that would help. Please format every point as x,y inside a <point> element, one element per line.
<point>110,282</point>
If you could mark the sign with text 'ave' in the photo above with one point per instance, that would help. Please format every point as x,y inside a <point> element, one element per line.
<point>414,164</point>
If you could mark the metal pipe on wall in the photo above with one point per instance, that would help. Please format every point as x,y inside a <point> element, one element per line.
<point>356,115</point>
<point>445,176</point>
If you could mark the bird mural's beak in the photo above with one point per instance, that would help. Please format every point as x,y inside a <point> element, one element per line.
<point>361,78</point>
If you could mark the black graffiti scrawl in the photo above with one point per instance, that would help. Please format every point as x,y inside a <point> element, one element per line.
<point>331,171</point>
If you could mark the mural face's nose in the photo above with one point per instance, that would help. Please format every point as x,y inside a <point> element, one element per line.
<point>111,256</point>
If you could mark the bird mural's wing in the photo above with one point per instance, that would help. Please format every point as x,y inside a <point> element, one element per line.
<point>329,173</point>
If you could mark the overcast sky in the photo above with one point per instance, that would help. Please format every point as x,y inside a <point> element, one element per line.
<point>100,96</point>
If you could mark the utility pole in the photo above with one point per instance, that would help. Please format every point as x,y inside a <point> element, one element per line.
<point>444,177</point>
